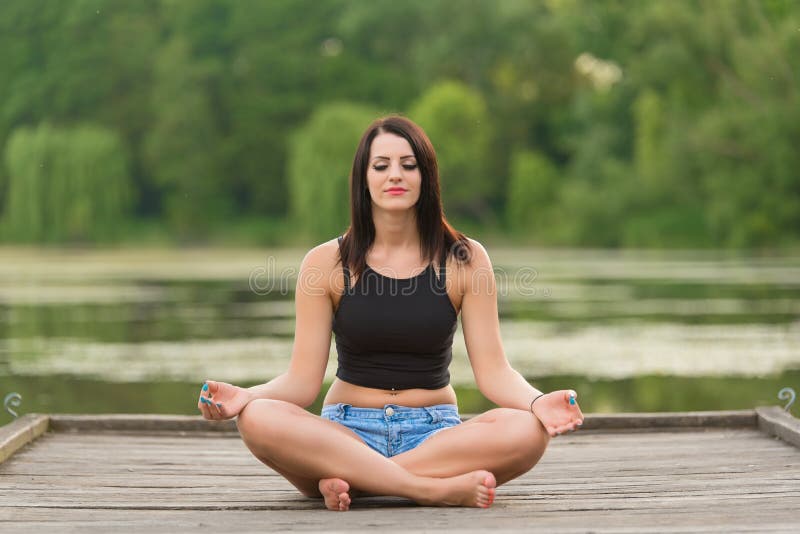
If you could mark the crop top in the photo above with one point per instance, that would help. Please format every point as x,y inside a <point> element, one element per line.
<point>395,333</point>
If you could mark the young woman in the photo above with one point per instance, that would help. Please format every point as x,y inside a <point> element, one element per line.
<point>391,289</point>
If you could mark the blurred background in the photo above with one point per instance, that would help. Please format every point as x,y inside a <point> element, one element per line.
<point>631,167</point>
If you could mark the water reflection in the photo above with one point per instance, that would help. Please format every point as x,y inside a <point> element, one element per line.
<point>101,319</point>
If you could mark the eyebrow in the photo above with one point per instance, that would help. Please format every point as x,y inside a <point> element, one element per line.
<point>387,157</point>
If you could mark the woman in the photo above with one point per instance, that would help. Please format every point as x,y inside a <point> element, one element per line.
<point>391,289</point>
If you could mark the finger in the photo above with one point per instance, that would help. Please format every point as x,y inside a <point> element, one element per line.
<point>204,391</point>
<point>571,396</point>
<point>202,404</point>
<point>214,409</point>
<point>213,387</point>
<point>208,406</point>
<point>563,429</point>
<point>551,431</point>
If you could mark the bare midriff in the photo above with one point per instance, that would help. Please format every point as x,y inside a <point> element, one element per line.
<point>363,397</point>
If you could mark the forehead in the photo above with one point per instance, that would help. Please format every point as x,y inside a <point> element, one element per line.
<point>388,144</point>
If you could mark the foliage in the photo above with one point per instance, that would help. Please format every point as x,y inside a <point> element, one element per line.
<point>531,193</point>
<point>320,159</point>
<point>668,124</point>
<point>66,184</point>
<point>181,146</point>
<point>456,120</point>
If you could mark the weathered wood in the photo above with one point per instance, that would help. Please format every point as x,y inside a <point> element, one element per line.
<point>651,421</point>
<point>395,519</point>
<point>139,422</point>
<point>192,423</point>
<point>701,480</point>
<point>780,424</point>
<point>157,473</point>
<point>20,432</point>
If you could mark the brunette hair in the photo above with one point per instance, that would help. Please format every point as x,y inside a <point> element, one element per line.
<point>438,238</point>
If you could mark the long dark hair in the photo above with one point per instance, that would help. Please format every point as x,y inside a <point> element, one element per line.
<point>438,238</point>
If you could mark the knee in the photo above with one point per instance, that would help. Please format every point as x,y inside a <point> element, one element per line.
<point>263,418</point>
<point>525,436</point>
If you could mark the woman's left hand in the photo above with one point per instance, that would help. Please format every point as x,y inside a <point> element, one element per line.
<point>556,413</point>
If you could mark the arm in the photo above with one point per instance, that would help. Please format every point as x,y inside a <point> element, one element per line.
<point>495,377</point>
<point>301,384</point>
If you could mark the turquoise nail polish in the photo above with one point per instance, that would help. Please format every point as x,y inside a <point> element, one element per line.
<point>572,400</point>
<point>204,400</point>
<point>219,404</point>
<point>205,387</point>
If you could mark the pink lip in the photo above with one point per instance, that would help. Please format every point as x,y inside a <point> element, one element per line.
<point>396,191</point>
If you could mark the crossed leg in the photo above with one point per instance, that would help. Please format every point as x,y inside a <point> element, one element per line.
<point>304,445</point>
<point>322,458</point>
<point>505,441</point>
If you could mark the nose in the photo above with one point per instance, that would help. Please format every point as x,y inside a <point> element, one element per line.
<point>396,171</point>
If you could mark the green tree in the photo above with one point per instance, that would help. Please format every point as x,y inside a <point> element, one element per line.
<point>182,145</point>
<point>320,158</point>
<point>456,120</point>
<point>66,184</point>
<point>531,193</point>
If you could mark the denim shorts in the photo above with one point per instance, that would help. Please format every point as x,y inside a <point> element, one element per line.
<point>393,429</point>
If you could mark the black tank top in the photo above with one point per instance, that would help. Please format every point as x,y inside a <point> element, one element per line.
<point>395,333</point>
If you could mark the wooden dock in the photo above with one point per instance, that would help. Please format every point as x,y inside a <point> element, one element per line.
<point>689,472</point>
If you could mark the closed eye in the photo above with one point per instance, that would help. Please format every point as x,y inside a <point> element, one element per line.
<point>409,167</point>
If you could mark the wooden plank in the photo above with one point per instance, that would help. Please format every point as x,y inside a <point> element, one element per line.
<point>395,519</point>
<point>392,520</point>
<point>195,423</point>
<point>657,420</point>
<point>779,423</point>
<point>20,432</point>
<point>139,422</point>
<point>676,479</point>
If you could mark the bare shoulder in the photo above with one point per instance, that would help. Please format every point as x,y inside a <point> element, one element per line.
<point>479,258</point>
<point>478,268</point>
<point>320,267</point>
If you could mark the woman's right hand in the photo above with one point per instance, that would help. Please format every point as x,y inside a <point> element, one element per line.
<point>220,400</point>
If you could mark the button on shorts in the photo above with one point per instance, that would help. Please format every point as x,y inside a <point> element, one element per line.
<point>393,429</point>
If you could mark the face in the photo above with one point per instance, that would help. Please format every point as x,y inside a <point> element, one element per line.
<point>393,176</point>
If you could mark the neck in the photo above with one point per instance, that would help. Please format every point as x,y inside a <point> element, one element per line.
<point>395,230</point>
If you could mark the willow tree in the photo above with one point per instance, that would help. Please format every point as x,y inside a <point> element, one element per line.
<point>320,157</point>
<point>456,119</point>
<point>531,192</point>
<point>66,184</point>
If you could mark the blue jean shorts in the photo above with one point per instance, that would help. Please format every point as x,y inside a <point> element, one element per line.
<point>393,429</point>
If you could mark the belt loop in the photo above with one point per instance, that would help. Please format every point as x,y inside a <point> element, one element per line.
<point>342,409</point>
<point>434,415</point>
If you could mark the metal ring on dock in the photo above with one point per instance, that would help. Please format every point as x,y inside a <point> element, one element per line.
<point>12,399</point>
<point>787,394</point>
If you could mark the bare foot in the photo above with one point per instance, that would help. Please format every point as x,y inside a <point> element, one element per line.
<point>475,489</point>
<point>335,493</point>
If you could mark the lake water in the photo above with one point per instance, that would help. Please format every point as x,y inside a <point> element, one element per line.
<point>137,331</point>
